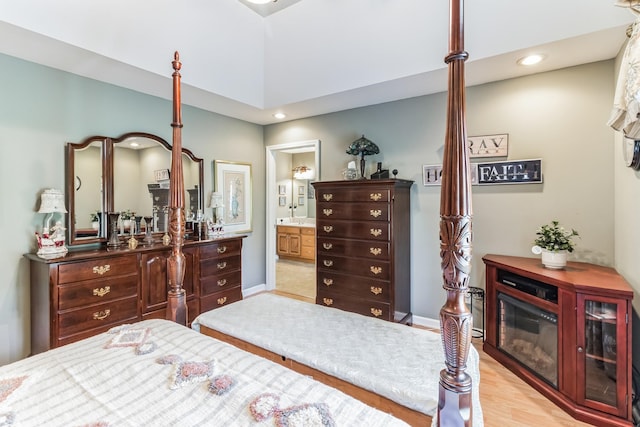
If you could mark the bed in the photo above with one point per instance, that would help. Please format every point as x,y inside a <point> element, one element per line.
<point>159,373</point>
<point>387,365</point>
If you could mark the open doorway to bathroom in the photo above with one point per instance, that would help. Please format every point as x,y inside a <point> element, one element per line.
<point>291,168</point>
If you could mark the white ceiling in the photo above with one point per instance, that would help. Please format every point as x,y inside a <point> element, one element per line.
<point>303,57</point>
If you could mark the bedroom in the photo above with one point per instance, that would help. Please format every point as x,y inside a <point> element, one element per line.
<point>580,156</point>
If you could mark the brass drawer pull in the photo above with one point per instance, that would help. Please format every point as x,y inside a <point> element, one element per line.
<point>327,212</point>
<point>101,269</point>
<point>375,212</point>
<point>327,282</point>
<point>328,228</point>
<point>327,246</point>
<point>327,301</point>
<point>376,290</point>
<point>376,312</point>
<point>222,282</point>
<point>327,197</point>
<point>222,249</point>
<point>100,292</point>
<point>222,265</point>
<point>376,232</point>
<point>375,270</point>
<point>375,251</point>
<point>375,196</point>
<point>222,300</point>
<point>327,262</point>
<point>101,315</point>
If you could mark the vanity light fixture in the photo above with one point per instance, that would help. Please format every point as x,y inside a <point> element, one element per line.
<point>279,116</point>
<point>303,172</point>
<point>531,59</point>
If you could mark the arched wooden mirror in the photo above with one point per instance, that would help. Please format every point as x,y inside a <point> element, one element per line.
<point>128,173</point>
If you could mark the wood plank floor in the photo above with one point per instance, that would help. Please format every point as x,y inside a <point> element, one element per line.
<point>506,400</point>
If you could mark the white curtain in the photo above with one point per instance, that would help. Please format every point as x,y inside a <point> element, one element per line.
<point>626,104</point>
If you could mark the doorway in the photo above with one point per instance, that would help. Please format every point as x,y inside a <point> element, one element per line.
<point>283,187</point>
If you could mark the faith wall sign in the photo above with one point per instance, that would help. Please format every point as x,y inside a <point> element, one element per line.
<point>514,172</point>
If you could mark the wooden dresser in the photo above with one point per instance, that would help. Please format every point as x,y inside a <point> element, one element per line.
<point>90,291</point>
<point>363,246</point>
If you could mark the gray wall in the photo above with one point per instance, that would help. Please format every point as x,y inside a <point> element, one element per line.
<point>558,116</point>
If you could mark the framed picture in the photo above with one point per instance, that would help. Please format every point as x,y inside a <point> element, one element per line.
<point>282,189</point>
<point>301,201</point>
<point>301,190</point>
<point>310,191</point>
<point>161,174</point>
<point>233,180</point>
<point>282,201</point>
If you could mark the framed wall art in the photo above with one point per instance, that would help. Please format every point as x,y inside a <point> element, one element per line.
<point>282,189</point>
<point>282,201</point>
<point>233,180</point>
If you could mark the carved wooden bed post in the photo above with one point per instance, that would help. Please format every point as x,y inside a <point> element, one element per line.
<point>454,405</point>
<point>176,300</point>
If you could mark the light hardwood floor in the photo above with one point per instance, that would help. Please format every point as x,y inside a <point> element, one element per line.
<point>506,400</point>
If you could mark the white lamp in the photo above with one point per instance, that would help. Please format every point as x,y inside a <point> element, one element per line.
<point>52,242</point>
<point>216,202</point>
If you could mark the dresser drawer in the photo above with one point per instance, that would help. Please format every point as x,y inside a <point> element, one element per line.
<point>96,291</point>
<point>220,282</point>
<point>354,211</point>
<point>365,230</point>
<point>95,316</point>
<point>360,267</point>
<point>359,287</point>
<point>101,268</point>
<point>211,267</point>
<point>221,249</point>
<point>288,229</point>
<point>219,299</point>
<point>306,240</point>
<point>379,310</point>
<point>372,194</point>
<point>307,231</point>
<point>354,248</point>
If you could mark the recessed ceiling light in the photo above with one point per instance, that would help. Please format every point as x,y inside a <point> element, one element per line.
<point>530,59</point>
<point>261,1</point>
<point>134,144</point>
<point>279,116</point>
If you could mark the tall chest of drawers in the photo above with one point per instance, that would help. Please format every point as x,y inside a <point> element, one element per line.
<point>363,244</point>
<point>90,291</point>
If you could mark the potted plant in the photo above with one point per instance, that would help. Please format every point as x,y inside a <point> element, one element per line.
<point>126,217</point>
<point>95,220</point>
<point>554,242</point>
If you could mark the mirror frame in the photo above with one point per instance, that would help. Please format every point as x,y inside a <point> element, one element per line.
<point>107,147</point>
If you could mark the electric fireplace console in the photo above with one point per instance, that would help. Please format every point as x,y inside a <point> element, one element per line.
<point>567,333</point>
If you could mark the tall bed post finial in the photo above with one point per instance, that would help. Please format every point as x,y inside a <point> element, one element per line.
<point>176,299</point>
<point>454,403</point>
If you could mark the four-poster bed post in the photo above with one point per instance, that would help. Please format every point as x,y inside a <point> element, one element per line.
<point>176,301</point>
<point>454,400</point>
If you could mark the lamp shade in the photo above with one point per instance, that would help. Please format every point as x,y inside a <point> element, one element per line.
<point>52,200</point>
<point>216,200</point>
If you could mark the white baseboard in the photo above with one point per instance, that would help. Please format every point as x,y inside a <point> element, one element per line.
<point>426,322</point>
<point>253,290</point>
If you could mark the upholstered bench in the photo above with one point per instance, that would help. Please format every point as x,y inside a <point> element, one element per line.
<point>393,367</point>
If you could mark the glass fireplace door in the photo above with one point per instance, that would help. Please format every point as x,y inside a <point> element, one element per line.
<point>601,355</point>
<point>529,334</point>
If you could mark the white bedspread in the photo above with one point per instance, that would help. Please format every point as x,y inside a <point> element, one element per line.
<point>201,382</point>
<point>393,360</point>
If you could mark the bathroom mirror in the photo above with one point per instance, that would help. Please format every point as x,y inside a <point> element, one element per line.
<point>128,173</point>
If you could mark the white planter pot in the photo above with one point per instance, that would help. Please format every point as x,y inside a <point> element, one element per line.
<point>554,260</point>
